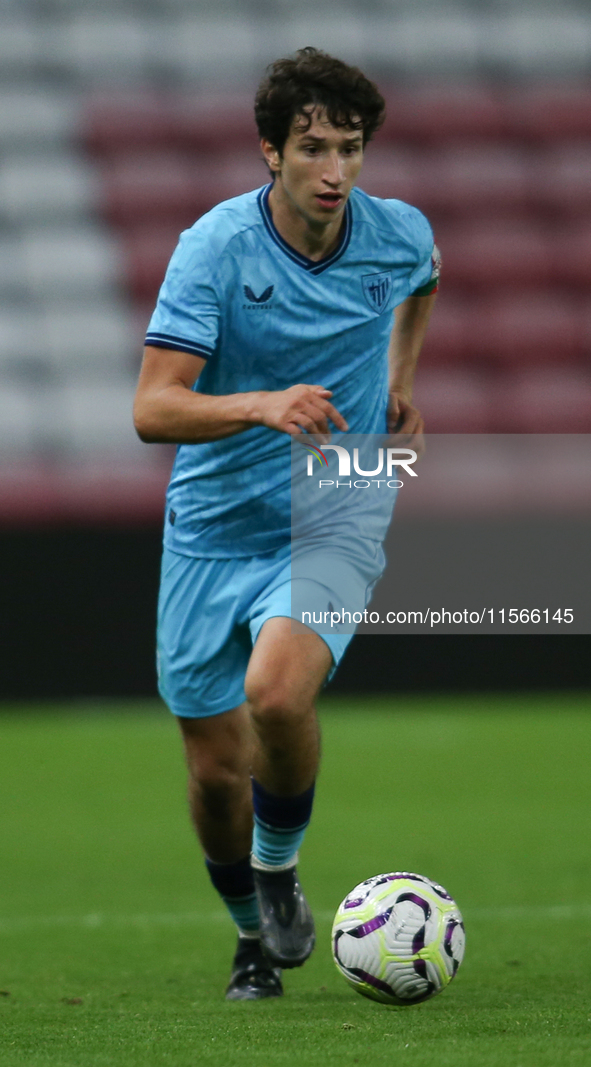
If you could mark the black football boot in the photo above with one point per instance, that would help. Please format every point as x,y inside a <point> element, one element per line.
<point>286,923</point>
<point>253,975</point>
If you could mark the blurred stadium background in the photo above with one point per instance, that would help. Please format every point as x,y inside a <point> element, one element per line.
<point>120,123</point>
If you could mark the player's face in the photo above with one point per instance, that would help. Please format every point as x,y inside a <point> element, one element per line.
<point>318,167</point>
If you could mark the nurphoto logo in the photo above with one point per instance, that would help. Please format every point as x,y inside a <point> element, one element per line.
<point>394,457</point>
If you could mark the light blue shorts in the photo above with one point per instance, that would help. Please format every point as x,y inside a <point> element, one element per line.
<point>210,612</point>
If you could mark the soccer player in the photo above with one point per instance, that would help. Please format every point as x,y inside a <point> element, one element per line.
<point>275,318</point>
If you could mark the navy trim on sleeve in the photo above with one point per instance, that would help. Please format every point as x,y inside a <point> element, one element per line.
<point>163,340</point>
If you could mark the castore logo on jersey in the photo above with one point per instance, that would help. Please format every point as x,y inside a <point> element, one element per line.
<point>261,301</point>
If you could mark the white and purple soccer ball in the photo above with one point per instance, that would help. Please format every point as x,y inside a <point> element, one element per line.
<point>398,938</point>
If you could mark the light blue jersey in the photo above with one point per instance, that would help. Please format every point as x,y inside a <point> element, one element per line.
<point>266,317</point>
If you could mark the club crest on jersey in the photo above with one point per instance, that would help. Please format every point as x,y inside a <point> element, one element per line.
<point>258,301</point>
<point>377,289</point>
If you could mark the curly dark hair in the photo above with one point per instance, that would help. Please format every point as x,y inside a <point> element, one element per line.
<point>294,85</point>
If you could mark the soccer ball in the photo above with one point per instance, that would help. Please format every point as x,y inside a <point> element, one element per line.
<point>398,938</point>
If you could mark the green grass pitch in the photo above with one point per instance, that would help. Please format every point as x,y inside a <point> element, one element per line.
<point>114,951</point>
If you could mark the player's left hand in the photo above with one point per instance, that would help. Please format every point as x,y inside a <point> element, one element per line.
<point>406,422</point>
<point>402,416</point>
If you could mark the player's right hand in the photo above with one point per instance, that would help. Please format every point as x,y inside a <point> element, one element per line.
<point>301,409</point>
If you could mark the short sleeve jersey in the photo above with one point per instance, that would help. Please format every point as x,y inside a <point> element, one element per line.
<point>266,317</point>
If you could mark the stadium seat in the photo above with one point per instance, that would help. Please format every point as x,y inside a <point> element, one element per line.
<point>161,187</point>
<point>241,173</point>
<point>549,112</point>
<point>547,42</point>
<point>124,122</point>
<point>571,254</point>
<point>199,47</point>
<point>99,420</point>
<point>147,252</point>
<point>311,22</point>
<point>71,421</point>
<point>223,123</point>
<point>13,280</point>
<point>45,186</point>
<point>36,116</point>
<point>73,260</point>
<point>195,122</point>
<point>562,180</point>
<point>550,400</point>
<point>464,181</point>
<point>18,420</point>
<point>91,342</point>
<point>501,255</point>
<point>18,47</point>
<point>103,46</point>
<point>173,189</point>
<point>440,114</point>
<point>424,44</point>
<point>21,342</point>
<point>448,338</point>
<point>468,178</point>
<point>395,172</point>
<point>182,6</point>
<point>528,328</point>
<point>454,401</point>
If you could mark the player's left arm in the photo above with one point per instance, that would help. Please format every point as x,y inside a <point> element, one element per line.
<point>410,325</point>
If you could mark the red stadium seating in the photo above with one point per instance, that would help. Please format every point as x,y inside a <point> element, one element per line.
<point>460,180</point>
<point>493,256</point>
<point>168,187</point>
<point>124,123</point>
<point>454,401</point>
<point>145,187</point>
<point>121,123</point>
<point>549,112</point>
<point>448,338</point>
<point>571,255</point>
<point>215,123</point>
<point>503,175</point>
<point>561,180</point>
<point>441,114</point>
<point>239,172</point>
<point>394,173</point>
<point>468,179</point>
<point>171,187</point>
<point>531,328</point>
<point>555,399</point>
<point>147,253</point>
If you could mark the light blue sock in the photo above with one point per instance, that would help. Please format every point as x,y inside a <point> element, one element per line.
<point>273,847</point>
<point>279,825</point>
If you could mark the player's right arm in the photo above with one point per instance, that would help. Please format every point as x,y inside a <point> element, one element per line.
<point>167,410</point>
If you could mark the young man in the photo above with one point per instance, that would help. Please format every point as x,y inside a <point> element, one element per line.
<point>275,318</point>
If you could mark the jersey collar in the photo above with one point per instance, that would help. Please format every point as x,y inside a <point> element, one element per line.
<point>313,266</point>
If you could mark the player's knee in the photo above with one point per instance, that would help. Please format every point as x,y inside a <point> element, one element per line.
<point>215,772</point>
<point>274,705</point>
<point>217,784</point>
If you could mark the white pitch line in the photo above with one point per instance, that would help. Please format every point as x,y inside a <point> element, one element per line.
<point>94,920</point>
<point>97,920</point>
